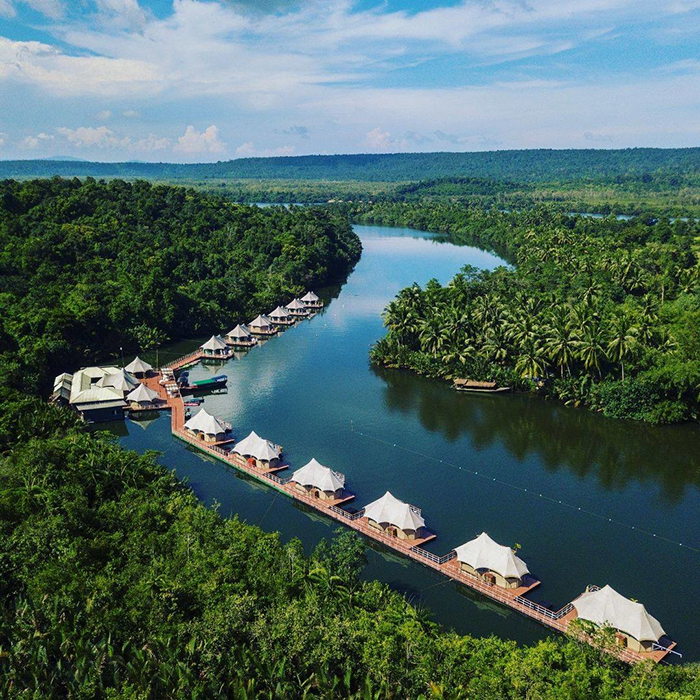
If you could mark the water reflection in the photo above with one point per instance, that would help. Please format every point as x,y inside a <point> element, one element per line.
<point>615,452</point>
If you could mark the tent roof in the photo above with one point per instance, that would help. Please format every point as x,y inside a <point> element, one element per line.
<point>295,304</point>
<point>120,380</point>
<point>389,509</point>
<point>84,390</point>
<point>205,423</point>
<point>483,553</point>
<point>315,474</point>
<point>138,365</point>
<point>309,296</point>
<point>607,607</point>
<point>260,322</point>
<point>216,342</point>
<point>142,393</point>
<point>279,312</point>
<point>255,446</point>
<point>240,331</point>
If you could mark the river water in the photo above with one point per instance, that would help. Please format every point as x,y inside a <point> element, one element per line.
<point>619,501</point>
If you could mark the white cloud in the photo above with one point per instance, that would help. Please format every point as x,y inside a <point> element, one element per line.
<point>378,140</point>
<point>131,113</point>
<point>122,13</point>
<point>33,142</point>
<point>3,138</point>
<point>194,142</point>
<point>104,138</point>
<point>53,9</point>
<point>248,150</point>
<point>103,115</point>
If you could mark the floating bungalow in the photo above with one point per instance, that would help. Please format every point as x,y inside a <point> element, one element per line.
<point>311,301</point>
<point>635,628</point>
<point>280,317</point>
<point>492,562</point>
<point>240,337</point>
<point>262,326</point>
<point>138,367</point>
<point>478,387</point>
<point>207,427</point>
<point>143,398</point>
<point>297,308</point>
<point>259,452</point>
<point>215,347</point>
<point>394,517</point>
<point>319,482</point>
<point>97,393</point>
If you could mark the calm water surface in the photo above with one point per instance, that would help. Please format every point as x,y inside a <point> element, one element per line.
<point>311,390</point>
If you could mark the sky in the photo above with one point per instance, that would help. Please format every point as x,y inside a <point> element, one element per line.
<point>209,80</point>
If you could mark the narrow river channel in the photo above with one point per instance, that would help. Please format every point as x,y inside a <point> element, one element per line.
<point>630,503</point>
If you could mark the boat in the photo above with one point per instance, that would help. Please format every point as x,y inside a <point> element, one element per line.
<point>193,401</point>
<point>478,387</point>
<point>218,382</point>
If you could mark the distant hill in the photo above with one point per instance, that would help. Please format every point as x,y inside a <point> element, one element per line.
<point>513,166</point>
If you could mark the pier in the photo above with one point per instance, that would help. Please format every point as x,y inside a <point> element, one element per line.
<point>513,598</point>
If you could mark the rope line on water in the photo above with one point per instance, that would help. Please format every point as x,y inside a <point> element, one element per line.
<point>535,493</point>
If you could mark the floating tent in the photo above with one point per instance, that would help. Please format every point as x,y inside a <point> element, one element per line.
<point>206,426</point>
<point>491,561</point>
<point>240,335</point>
<point>215,347</point>
<point>263,452</point>
<point>142,397</point>
<point>395,517</point>
<point>311,300</point>
<point>121,380</point>
<point>280,316</point>
<point>138,367</point>
<point>262,326</point>
<point>319,481</point>
<point>297,308</point>
<point>607,608</point>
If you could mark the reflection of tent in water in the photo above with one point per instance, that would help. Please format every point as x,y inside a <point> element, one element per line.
<point>144,420</point>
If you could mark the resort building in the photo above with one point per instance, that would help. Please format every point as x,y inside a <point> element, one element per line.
<point>491,562</point>
<point>262,326</point>
<point>138,367</point>
<point>240,336</point>
<point>142,398</point>
<point>215,347</point>
<point>97,393</point>
<point>394,517</point>
<point>207,427</point>
<point>297,308</point>
<point>319,482</point>
<point>280,317</point>
<point>636,629</point>
<point>259,452</point>
<point>311,301</point>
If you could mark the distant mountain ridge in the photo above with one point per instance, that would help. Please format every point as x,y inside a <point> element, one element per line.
<point>539,165</point>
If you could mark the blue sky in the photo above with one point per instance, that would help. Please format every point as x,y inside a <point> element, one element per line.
<point>207,80</point>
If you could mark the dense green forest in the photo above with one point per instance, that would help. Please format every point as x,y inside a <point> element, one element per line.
<point>116,582</point>
<point>674,166</point>
<point>90,266</point>
<point>604,313</point>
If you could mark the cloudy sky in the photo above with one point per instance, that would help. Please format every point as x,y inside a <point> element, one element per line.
<point>207,80</point>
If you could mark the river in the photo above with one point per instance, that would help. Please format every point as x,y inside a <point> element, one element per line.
<point>619,501</point>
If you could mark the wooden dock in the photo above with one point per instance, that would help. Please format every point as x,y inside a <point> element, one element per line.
<point>514,599</point>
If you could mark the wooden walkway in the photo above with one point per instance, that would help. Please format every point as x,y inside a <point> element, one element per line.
<point>447,565</point>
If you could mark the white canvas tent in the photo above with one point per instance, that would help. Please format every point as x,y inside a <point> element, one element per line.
<point>240,332</point>
<point>484,553</point>
<point>261,324</point>
<point>203,422</point>
<point>607,608</point>
<point>279,315</point>
<point>142,394</point>
<point>138,366</point>
<point>257,447</point>
<point>121,380</point>
<point>296,308</point>
<point>216,345</point>
<point>317,476</point>
<point>389,510</point>
<point>310,298</point>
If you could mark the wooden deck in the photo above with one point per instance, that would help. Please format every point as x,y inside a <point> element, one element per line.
<point>514,598</point>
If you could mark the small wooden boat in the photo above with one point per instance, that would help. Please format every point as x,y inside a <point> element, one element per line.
<point>193,401</point>
<point>218,382</point>
<point>478,387</point>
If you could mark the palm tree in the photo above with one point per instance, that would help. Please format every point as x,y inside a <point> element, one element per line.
<point>623,339</point>
<point>531,362</point>
<point>590,346</point>
<point>432,335</point>
<point>560,343</point>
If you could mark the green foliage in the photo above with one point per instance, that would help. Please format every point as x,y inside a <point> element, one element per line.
<point>117,583</point>
<point>598,312</point>
<point>89,267</point>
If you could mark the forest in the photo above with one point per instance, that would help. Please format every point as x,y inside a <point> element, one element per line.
<point>601,313</point>
<point>89,267</point>
<point>117,582</point>
<point>675,167</point>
